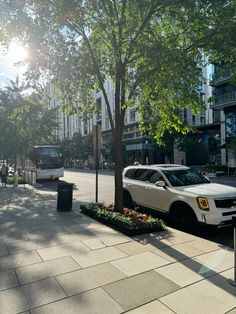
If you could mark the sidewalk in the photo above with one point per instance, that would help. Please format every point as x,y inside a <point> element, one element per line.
<point>64,262</point>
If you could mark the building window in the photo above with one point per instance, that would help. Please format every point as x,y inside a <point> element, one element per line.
<point>132,115</point>
<point>126,120</point>
<point>202,119</point>
<point>107,123</point>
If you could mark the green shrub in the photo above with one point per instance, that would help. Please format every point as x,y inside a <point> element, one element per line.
<point>10,180</point>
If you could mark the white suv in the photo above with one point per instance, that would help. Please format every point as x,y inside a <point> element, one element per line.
<point>185,194</point>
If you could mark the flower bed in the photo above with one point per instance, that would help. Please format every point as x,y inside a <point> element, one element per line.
<point>128,221</point>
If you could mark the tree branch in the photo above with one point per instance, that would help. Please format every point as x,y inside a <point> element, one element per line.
<point>98,72</point>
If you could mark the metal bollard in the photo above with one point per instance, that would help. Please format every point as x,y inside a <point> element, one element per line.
<point>15,180</point>
<point>33,174</point>
<point>233,282</point>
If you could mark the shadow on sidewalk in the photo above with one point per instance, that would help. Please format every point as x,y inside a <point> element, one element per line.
<point>29,217</point>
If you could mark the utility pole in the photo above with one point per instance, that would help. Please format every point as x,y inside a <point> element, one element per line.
<point>96,161</point>
<point>15,152</point>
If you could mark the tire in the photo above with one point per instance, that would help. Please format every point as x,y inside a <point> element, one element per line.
<point>128,202</point>
<point>183,216</point>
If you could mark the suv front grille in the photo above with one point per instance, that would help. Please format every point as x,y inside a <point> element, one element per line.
<point>226,203</point>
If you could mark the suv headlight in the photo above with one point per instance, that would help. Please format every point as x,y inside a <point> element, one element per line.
<point>203,203</point>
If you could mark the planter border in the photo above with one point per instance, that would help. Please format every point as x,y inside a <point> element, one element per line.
<point>119,225</point>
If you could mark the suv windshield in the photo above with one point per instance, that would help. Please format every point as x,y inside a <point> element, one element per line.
<point>184,177</point>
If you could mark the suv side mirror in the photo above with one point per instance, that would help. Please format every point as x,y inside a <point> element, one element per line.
<point>160,184</point>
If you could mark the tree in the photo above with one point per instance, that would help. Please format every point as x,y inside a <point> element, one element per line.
<point>138,44</point>
<point>25,121</point>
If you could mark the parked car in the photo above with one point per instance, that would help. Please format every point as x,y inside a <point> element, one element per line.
<point>185,194</point>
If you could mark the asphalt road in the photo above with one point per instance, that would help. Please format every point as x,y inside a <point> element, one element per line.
<point>84,190</point>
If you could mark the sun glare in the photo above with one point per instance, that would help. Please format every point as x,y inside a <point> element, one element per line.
<point>16,53</point>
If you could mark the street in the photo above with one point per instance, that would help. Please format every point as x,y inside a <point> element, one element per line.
<point>84,191</point>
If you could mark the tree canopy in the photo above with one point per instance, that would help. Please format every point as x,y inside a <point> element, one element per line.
<point>150,49</point>
<point>25,121</point>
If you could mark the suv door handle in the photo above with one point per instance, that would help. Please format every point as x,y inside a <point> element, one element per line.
<point>130,184</point>
<point>147,188</point>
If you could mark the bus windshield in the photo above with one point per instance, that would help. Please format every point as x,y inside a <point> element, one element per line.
<point>49,157</point>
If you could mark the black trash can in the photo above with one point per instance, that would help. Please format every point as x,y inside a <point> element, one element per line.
<point>64,196</point>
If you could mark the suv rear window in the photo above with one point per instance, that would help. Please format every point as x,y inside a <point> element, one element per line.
<point>130,173</point>
<point>140,174</point>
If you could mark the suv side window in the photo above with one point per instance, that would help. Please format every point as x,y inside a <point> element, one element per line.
<point>140,174</point>
<point>130,173</point>
<point>154,176</point>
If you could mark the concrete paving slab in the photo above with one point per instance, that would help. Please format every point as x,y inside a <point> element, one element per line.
<point>62,250</point>
<point>210,296</point>
<point>8,280</point>
<point>83,234</point>
<point>114,239</point>
<point>23,298</point>
<point>146,239</point>
<point>103,255</point>
<point>173,238</point>
<point>180,251</point>
<point>139,263</point>
<point>37,235</point>
<point>168,237</point>
<point>133,248</point>
<point>89,278</point>
<point>46,269</point>
<point>94,244</point>
<point>151,308</point>
<point>138,290</point>
<point>204,245</point>
<point>185,273</point>
<point>222,280</point>
<point>29,245</point>
<point>92,302</point>
<point>3,250</point>
<point>12,237</point>
<point>219,260</point>
<point>89,224</point>
<point>105,231</point>
<point>20,259</point>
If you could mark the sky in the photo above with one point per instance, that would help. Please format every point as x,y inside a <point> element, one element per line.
<point>8,69</point>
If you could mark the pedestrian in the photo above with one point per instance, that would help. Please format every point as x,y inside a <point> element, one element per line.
<point>4,174</point>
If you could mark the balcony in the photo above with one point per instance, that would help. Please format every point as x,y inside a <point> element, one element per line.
<point>220,77</point>
<point>224,100</point>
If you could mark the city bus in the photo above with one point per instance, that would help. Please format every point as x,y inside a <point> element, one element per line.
<point>46,161</point>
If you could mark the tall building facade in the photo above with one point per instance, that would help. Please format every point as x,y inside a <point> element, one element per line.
<point>224,104</point>
<point>136,146</point>
<point>206,125</point>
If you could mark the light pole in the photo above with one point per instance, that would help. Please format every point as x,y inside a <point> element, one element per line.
<point>146,150</point>
<point>15,152</point>
<point>96,162</point>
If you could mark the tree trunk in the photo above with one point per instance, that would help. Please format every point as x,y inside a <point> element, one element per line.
<point>118,202</point>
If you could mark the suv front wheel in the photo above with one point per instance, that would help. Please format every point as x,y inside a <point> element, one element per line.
<point>183,216</point>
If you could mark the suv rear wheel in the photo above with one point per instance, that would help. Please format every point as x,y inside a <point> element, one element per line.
<point>128,202</point>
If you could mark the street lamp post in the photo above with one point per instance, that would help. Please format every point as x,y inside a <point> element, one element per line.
<point>97,162</point>
<point>146,155</point>
<point>15,153</point>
